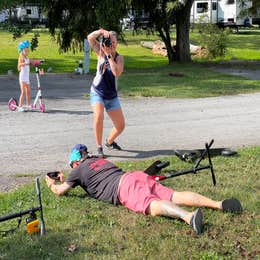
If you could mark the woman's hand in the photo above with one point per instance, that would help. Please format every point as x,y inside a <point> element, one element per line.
<point>106,50</point>
<point>105,33</point>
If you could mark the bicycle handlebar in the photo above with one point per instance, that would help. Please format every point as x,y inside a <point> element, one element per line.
<point>31,210</point>
<point>19,214</point>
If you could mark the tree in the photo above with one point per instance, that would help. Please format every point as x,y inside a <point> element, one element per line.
<point>253,10</point>
<point>71,20</point>
<point>163,15</point>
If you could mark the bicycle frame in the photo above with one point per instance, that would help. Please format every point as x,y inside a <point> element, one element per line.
<point>30,211</point>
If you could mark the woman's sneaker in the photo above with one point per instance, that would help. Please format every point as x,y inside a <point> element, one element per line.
<point>100,153</point>
<point>113,146</point>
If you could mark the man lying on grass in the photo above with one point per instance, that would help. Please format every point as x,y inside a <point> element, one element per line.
<point>136,190</point>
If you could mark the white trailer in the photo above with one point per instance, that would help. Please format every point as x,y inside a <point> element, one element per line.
<point>221,12</point>
<point>28,14</point>
<point>4,15</point>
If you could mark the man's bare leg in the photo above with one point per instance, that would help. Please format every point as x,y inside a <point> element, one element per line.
<point>188,198</point>
<point>169,209</point>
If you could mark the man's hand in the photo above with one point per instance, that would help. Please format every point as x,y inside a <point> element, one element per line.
<point>58,189</point>
<point>49,181</point>
<point>62,177</point>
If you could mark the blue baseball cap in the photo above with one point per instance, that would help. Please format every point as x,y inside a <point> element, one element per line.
<point>79,147</point>
<point>77,152</point>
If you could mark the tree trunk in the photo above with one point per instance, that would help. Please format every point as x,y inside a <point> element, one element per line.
<point>182,33</point>
<point>165,35</point>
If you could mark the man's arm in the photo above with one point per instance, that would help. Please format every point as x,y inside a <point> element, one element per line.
<point>58,189</point>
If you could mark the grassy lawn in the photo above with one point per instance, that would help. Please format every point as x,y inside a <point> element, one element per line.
<point>150,75</point>
<point>98,230</point>
<point>81,228</point>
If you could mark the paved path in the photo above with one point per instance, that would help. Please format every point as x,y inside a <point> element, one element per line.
<point>34,142</point>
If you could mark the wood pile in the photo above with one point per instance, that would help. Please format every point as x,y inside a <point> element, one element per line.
<point>158,47</point>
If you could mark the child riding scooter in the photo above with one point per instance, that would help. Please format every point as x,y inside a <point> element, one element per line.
<point>24,80</point>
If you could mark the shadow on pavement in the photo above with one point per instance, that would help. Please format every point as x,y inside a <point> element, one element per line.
<point>139,154</point>
<point>69,112</point>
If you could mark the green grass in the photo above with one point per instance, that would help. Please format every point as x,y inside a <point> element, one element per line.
<point>102,231</point>
<point>147,74</point>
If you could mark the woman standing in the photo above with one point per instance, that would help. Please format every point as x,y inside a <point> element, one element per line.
<point>103,93</point>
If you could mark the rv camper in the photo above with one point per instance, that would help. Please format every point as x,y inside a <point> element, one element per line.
<point>225,13</point>
<point>28,14</point>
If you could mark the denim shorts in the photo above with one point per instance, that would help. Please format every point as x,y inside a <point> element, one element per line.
<point>109,104</point>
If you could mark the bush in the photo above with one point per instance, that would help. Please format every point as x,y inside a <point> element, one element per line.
<point>214,39</point>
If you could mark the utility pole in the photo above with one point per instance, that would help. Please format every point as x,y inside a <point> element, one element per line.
<point>86,56</point>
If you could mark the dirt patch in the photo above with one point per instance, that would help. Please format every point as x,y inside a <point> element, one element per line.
<point>9,183</point>
<point>246,69</point>
<point>249,74</point>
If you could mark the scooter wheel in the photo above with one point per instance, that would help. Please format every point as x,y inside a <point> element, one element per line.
<point>12,104</point>
<point>42,107</point>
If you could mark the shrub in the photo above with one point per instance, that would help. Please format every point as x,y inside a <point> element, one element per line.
<point>214,39</point>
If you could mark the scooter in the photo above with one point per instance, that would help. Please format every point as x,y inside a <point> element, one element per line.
<point>154,169</point>
<point>13,104</point>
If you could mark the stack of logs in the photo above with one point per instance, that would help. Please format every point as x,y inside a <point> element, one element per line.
<point>158,47</point>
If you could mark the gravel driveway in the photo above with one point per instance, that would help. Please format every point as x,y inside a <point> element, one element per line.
<point>32,143</point>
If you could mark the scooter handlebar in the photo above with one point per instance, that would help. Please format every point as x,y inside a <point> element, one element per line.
<point>36,63</point>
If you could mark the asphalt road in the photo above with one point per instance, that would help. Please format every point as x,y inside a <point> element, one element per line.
<point>32,143</point>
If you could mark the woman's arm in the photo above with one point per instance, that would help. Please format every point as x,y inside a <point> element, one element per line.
<point>117,67</point>
<point>92,39</point>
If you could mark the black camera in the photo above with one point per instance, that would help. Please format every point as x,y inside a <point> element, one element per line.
<point>54,175</point>
<point>106,41</point>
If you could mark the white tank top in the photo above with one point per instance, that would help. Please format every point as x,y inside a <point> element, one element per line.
<point>24,74</point>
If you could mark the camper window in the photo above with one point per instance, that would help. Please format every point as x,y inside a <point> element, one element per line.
<point>230,2</point>
<point>214,6</point>
<point>202,7</point>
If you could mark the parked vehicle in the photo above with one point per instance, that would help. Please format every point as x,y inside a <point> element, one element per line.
<point>31,14</point>
<point>3,15</point>
<point>225,13</point>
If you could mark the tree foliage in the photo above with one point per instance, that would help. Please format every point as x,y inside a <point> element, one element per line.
<point>163,15</point>
<point>72,20</point>
<point>69,21</point>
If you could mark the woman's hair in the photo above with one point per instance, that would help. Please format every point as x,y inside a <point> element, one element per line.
<point>113,33</point>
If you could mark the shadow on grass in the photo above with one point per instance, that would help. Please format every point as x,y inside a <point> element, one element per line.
<point>53,245</point>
